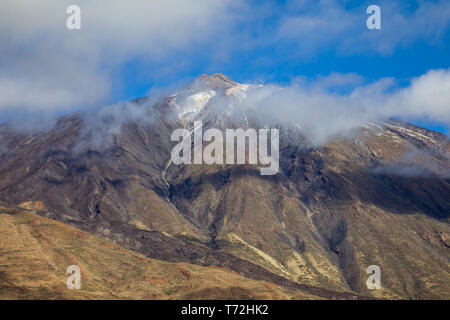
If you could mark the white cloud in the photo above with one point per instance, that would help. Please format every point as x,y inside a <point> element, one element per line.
<point>428,96</point>
<point>336,80</point>
<point>44,66</point>
<point>399,28</point>
<point>321,26</point>
<point>328,24</point>
<point>324,114</point>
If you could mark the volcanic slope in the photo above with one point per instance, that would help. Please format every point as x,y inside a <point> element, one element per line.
<point>379,197</point>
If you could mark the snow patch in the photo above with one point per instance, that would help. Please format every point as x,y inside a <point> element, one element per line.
<point>192,104</point>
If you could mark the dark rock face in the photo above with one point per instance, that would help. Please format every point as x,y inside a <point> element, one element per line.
<point>318,224</point>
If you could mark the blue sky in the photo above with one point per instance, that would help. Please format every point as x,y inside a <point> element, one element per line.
<point>402,64</point>
<point>124,51</point>
<point>275,62</point>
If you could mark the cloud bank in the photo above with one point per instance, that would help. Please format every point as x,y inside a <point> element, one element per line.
<point>323,112</point>
<point>318,25</point>
<point>46,68</point>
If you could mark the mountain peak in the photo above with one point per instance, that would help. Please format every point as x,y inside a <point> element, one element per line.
<point>219,76</point>
<point>211,81</point>
<point>193,98</point>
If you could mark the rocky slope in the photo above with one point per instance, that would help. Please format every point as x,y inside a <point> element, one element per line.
<point>379,197</point>
<point>36,252</point>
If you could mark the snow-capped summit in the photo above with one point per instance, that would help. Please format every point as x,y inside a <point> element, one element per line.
<point>191,101</point>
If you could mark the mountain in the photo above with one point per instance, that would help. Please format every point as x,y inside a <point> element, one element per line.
<point>379,196</point>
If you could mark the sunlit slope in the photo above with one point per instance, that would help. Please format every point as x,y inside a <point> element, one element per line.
<point>35,253</point>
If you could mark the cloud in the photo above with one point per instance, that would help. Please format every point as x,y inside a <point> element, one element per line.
<point>339,82</point>
<point>402,27</point>
<point>327,24</point>
<point>428,97</point>
<point>314,105</point>
<point>102,125</point>
<point>46,67</point>
<point>323,113</point>
<point>414,164</point>
<point>408,170</point>
<point>321,26</point>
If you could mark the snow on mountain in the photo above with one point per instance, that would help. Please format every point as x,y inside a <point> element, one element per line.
<point>189,106</point>
<point>207,90</point>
